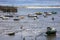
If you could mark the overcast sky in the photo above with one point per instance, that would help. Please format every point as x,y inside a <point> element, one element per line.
<point>29,2</point>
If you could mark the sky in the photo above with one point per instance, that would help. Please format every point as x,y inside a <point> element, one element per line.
<point>29,2</point>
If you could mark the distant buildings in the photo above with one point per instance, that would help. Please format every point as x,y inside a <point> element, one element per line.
<point>8,9</point>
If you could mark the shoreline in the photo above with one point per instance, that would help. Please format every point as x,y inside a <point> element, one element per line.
<point>40,7</point>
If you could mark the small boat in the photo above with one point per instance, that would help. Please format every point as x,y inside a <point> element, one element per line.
<point>21,17</point>
<point>11,33</point>
<point>8,15</point>
<point>54,12</point>
<point>5,18</point>
<point>30,15</point>
<point>51,31</point>
<point>16,19</point>
<point>44,15</point>
<point>48,13</point>
<point>38,13</point>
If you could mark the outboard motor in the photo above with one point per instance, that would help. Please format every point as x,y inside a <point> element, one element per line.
<point>51,31</point>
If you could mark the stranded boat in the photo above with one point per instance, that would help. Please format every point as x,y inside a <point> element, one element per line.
<point>47,13</point>
<point>51,31</point>
<point>16,19</point>
<point>8,15</point>
<point>54,12</point>
<point>38,13</point>
<point>11,33</point>
<point>4,18</point>
<point>31,15</point>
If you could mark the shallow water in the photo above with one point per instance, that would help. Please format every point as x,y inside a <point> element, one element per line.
<point>32,29</point>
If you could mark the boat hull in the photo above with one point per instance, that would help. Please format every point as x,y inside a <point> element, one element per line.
<point>51,32</point>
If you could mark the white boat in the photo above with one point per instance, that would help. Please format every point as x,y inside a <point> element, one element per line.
<point>4,18</point>
<point>31,15</point>
<point>48,13</point>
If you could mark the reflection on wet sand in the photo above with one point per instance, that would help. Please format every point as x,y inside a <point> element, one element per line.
<point>52,37</point>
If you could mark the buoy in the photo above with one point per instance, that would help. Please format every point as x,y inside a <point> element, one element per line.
<point>52,18</point>
<point>51,31</point>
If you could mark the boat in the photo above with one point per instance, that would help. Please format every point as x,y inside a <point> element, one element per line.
<point>31,15</point>
<point>51,31</point>
<point>16,19</point>
<point>48,13</point>
<point>54,12</point>
<point>21,17</point>
<point>38,13</point>
<point>4,18</point>
<point>44,15</point>
<point>8,15</point>
<point>11,33</point>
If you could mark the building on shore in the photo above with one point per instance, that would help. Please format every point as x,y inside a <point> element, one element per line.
<point>8,9</point>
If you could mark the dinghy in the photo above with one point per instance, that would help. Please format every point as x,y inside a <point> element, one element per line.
<point>51,31</point>
<point>11,33</point>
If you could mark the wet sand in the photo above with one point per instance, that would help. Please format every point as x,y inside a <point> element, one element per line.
<point>32,29</point>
